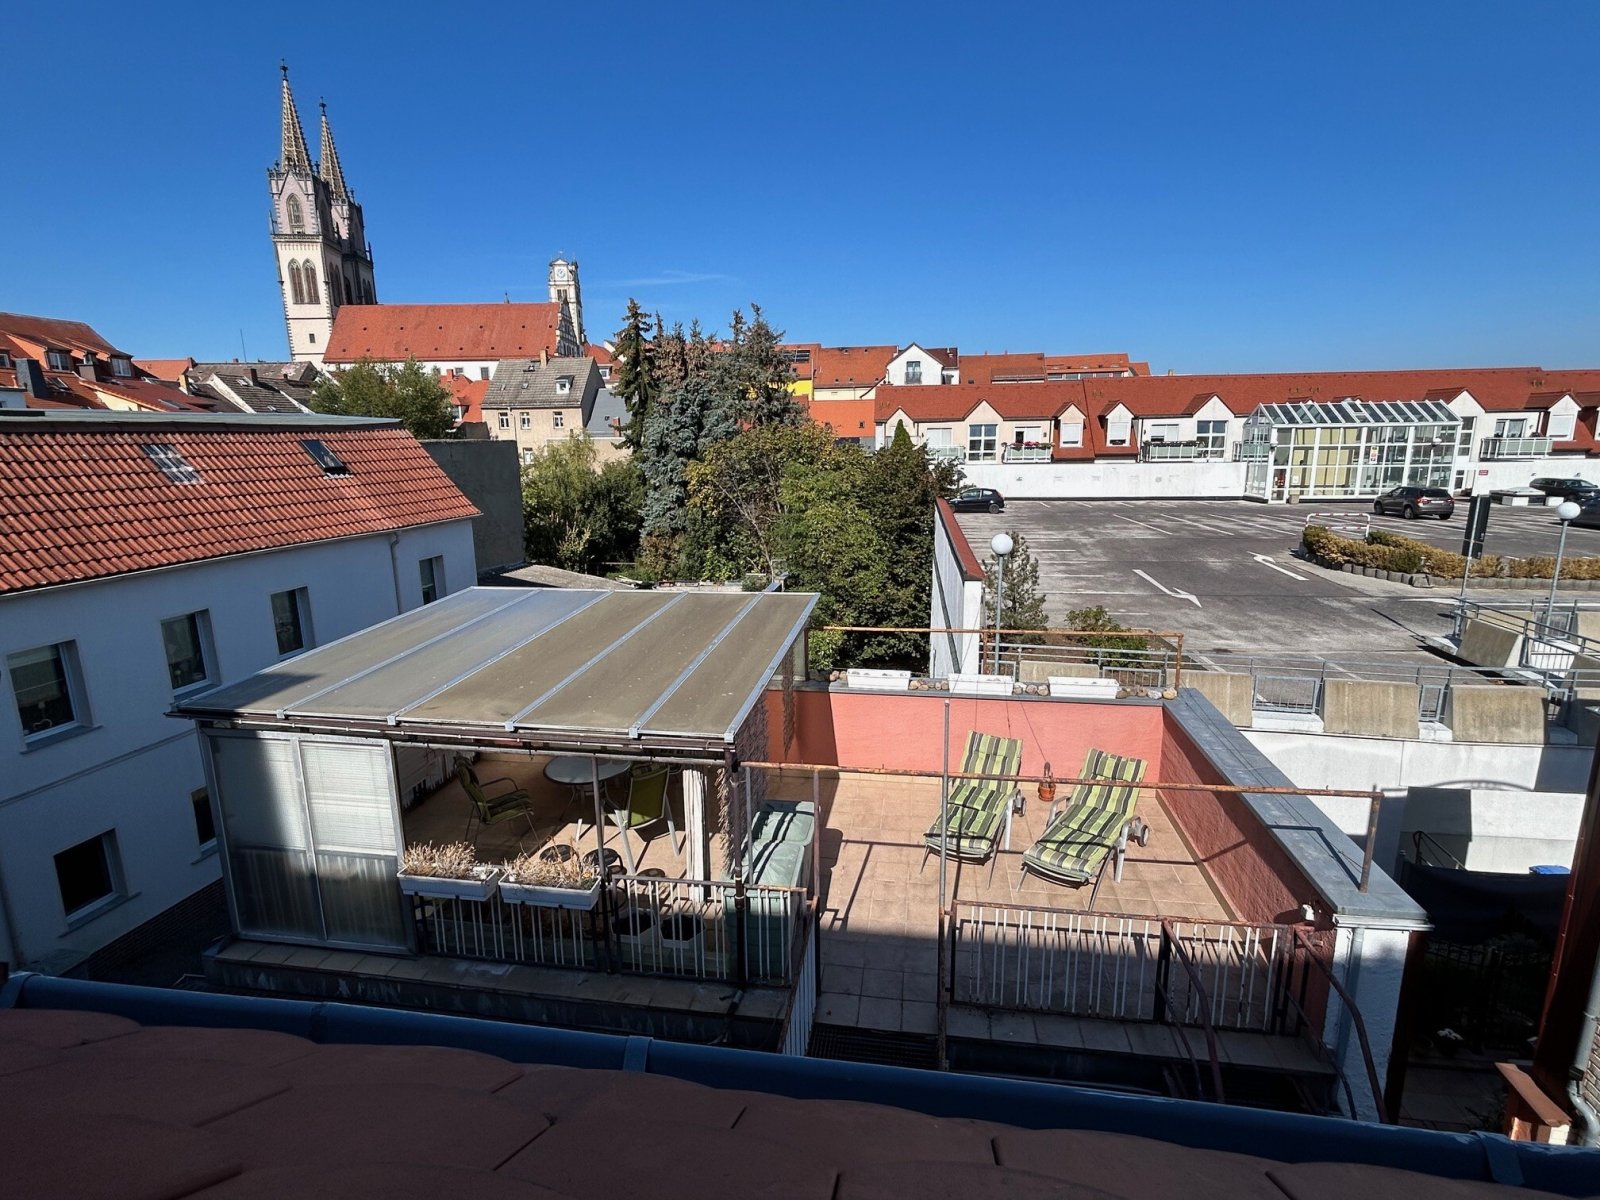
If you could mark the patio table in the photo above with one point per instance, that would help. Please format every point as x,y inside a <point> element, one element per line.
<point>574,771</point>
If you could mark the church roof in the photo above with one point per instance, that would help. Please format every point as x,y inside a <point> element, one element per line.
<point>440,332</point>
<point>294,154</point>
<point>530,383</point>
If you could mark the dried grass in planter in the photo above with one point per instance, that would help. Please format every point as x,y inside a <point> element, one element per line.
<point>542,868</point>
<point>456,860</point>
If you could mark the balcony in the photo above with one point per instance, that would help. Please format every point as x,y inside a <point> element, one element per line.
<point>1521,447</point>
<point>1251,451</point>
<point>1178,451</point>
<point>1026,454</point>
<point>947,453</point>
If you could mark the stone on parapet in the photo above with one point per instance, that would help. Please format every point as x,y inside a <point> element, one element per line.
<point>1370,707</point>
<point>1503,713</point>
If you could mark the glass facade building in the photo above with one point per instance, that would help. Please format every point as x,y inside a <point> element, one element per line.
<point>1344,448</point>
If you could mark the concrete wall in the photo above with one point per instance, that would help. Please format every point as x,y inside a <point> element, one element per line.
<point>133,768</point>
<point>1109,480</point>
<point>1495,713</point>
<point>489,475</point>
<point>957,603</point>
<point>1372,707</point>
<point>1233,694</point>
<point>1489,829</point>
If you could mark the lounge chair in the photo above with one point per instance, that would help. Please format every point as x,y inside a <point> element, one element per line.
<point>504,805</point>
<point>979,809</point>
<point>1094,828</point>
<point>646,805</point>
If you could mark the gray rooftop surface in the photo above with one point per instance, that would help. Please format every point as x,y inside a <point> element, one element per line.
<point>529,383</point>
<point>636,668</point>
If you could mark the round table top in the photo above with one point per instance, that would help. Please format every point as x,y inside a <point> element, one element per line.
<point>574,769</point>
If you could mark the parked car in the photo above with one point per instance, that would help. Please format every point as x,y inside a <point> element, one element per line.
<point>979,500</point>
<point>1589,517</point>
<point>1412,502</point>
<point>1568,489</point>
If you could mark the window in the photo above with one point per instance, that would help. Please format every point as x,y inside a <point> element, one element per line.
<point>605,374</point>
<point>1464,437</point>
<point>121,367</point>
<point>483,372</point>
<point>205,826</point>
<point>563,385</point>
<point>297,290</point>
<point>58,360</point>
<point>524,420</point>
<point>312,338</point>
<point>1117,430</point>
<point>1072,433</point>
<point>311,285</point>
<point>981,441</point>
<point>171,464</point>
<point>5,360</point>
<point>914,371</point>
<point>1211,435</point>
<point>1511,427</point>
<point>432,570</point>
<point>48,689</point>
<point>291,618</point>
<point>505,420</point>
<point>325,458</point>
<point>558,420</point>
<point>185,640</point>
<point>87,873</point>
<point>1163,431</point>
<point>297,216</point>
<point>1560,426</point>
<point>528,457</point>
<point>349,292</point>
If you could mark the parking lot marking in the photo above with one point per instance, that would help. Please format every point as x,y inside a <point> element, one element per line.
<point>1146,524</point>
<point>1267,562</point>
<point>1189,596</point>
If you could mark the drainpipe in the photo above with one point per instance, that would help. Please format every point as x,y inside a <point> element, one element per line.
<point>1586,1131</point>
<point>394,571</point>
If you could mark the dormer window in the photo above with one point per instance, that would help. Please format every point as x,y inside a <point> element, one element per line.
<point>563,385</point>
<point>5,361</point>
<point>914,371</point>
<point>325,458</point>
<point>122,367</point>
<point>58,360</point>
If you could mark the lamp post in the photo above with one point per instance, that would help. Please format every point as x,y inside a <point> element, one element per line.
<point>1566,513</point>
<point>1002,545</point>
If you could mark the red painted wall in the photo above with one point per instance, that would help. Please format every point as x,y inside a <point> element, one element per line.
<point>902,730</point>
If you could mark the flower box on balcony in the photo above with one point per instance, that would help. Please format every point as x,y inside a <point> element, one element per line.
<point>540,896</point>
<point>877,680</point>
<point>1083,689</point>
<point>440,887</point>
<point>980,685</point>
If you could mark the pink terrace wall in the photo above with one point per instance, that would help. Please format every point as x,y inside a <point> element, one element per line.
<point>901,730</point>
<point>1256,876</point>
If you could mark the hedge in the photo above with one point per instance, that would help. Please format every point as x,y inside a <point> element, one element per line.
<point>1395,552</point>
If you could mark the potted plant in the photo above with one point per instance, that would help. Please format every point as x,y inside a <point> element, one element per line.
<point>554,877</point>
<point>1047,787</point>
<point>449,872</point>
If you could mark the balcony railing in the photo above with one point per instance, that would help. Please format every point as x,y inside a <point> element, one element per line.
<point>724,932</point>
<point>953,453</point>
<point>1250,451</point>
<point>1523,447</point>
<point>1026,454</point>
<point>1178,451</point>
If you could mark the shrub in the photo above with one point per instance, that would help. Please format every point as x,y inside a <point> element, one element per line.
<point>1396,552</point>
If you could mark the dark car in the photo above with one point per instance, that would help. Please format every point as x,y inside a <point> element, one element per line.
<point>1412,502</point>
<point>1568,489</point>
<point>1589,516</point>
<point>978,500</point>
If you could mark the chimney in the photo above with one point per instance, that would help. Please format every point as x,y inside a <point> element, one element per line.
<point>544,357</point>
<point>89,368</point>
<point>30,378</point>
<point>253,379</point>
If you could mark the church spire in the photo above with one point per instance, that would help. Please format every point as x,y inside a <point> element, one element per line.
<point>295,157</point>
<point>329,167</point>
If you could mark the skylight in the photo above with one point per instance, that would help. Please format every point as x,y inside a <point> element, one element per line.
<point>170,462</point>
<point>330,462</point>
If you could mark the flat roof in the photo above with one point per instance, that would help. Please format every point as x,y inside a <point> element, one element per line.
<point>645,669</point>
<point>1355,411</point>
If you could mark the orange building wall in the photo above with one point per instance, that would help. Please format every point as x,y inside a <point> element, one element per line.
<point>849,418</point>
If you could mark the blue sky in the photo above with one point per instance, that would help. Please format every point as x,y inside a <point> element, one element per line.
<point>1212,187</point>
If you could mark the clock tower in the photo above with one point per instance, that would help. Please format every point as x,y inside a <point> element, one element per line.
<point>564,290</point>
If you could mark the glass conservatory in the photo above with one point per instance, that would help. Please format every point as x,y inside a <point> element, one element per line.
<point>1306,450</point>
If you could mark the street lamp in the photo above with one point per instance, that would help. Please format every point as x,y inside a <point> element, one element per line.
<point>1002,545</point>
<point>1566,513</point>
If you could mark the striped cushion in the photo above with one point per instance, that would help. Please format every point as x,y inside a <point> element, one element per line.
<point>1076,842</point>
<point>977,807</point>
<point>1098,764</point>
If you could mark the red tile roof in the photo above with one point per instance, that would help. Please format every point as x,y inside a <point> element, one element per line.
<point>52,331</point>
<point>952,402</point>
<point>982,368</point>
<point>1089,362</point>
<point>600,354</point>
<point>169,370</point>
<point>79,498</point>
<point>850,366</point>
<point>468,393</point>
<point>434,332</point>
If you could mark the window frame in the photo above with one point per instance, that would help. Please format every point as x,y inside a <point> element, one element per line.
<point>72,684</point>
<point>504,420</point>
<point>558,419</point>
<point>57,360</point>
<point>1072,433</point>
<point>116,882</point>
<point>300,598</point>
<point>1566,431</point>
<point>430,571</point>
<point>294,212</point>
<point>524,420</point>
<point>913,371</point>
<point>983,441</point>
<point>200,801</point>
<point>200,620</point>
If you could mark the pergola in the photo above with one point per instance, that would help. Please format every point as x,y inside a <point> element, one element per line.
<point>300,756</point>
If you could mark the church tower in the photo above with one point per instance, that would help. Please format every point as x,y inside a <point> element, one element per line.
<point>564,290</point>
<point>318,236</point>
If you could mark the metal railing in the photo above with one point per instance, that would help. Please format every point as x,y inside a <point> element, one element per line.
<point>695,929</point>
<point>1179,451</point>
<point>1251,451</point>
<point>796,1037</point>
<point>1196,1006</point>
<point>1154,666</point>
<point>1523,447</point>
<point>1313,961</point>
<point>1548,642</point>
<point>1089,964</point>
<point>1026,454</point>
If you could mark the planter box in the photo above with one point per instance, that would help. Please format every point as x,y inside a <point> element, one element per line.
<point>1084,689</point>
<point>876,680</point>
<point>980,685</point>
<point>441,888</point>
<point>577,899</point>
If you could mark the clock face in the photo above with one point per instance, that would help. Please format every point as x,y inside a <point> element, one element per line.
<point>561,274</point>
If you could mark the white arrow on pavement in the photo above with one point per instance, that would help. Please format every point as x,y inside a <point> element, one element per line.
<point>1267,562</point>
<point>1189,596</point>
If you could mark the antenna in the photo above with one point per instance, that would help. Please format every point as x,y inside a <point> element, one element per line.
<point>243,356</point>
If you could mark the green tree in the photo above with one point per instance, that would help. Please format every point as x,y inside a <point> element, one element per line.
<point>575,516</point>
<point>635,380</point>
<point>1022,606</point>
<point>406,392</point>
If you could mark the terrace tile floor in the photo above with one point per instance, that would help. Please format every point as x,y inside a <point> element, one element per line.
<point>880,892</point>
